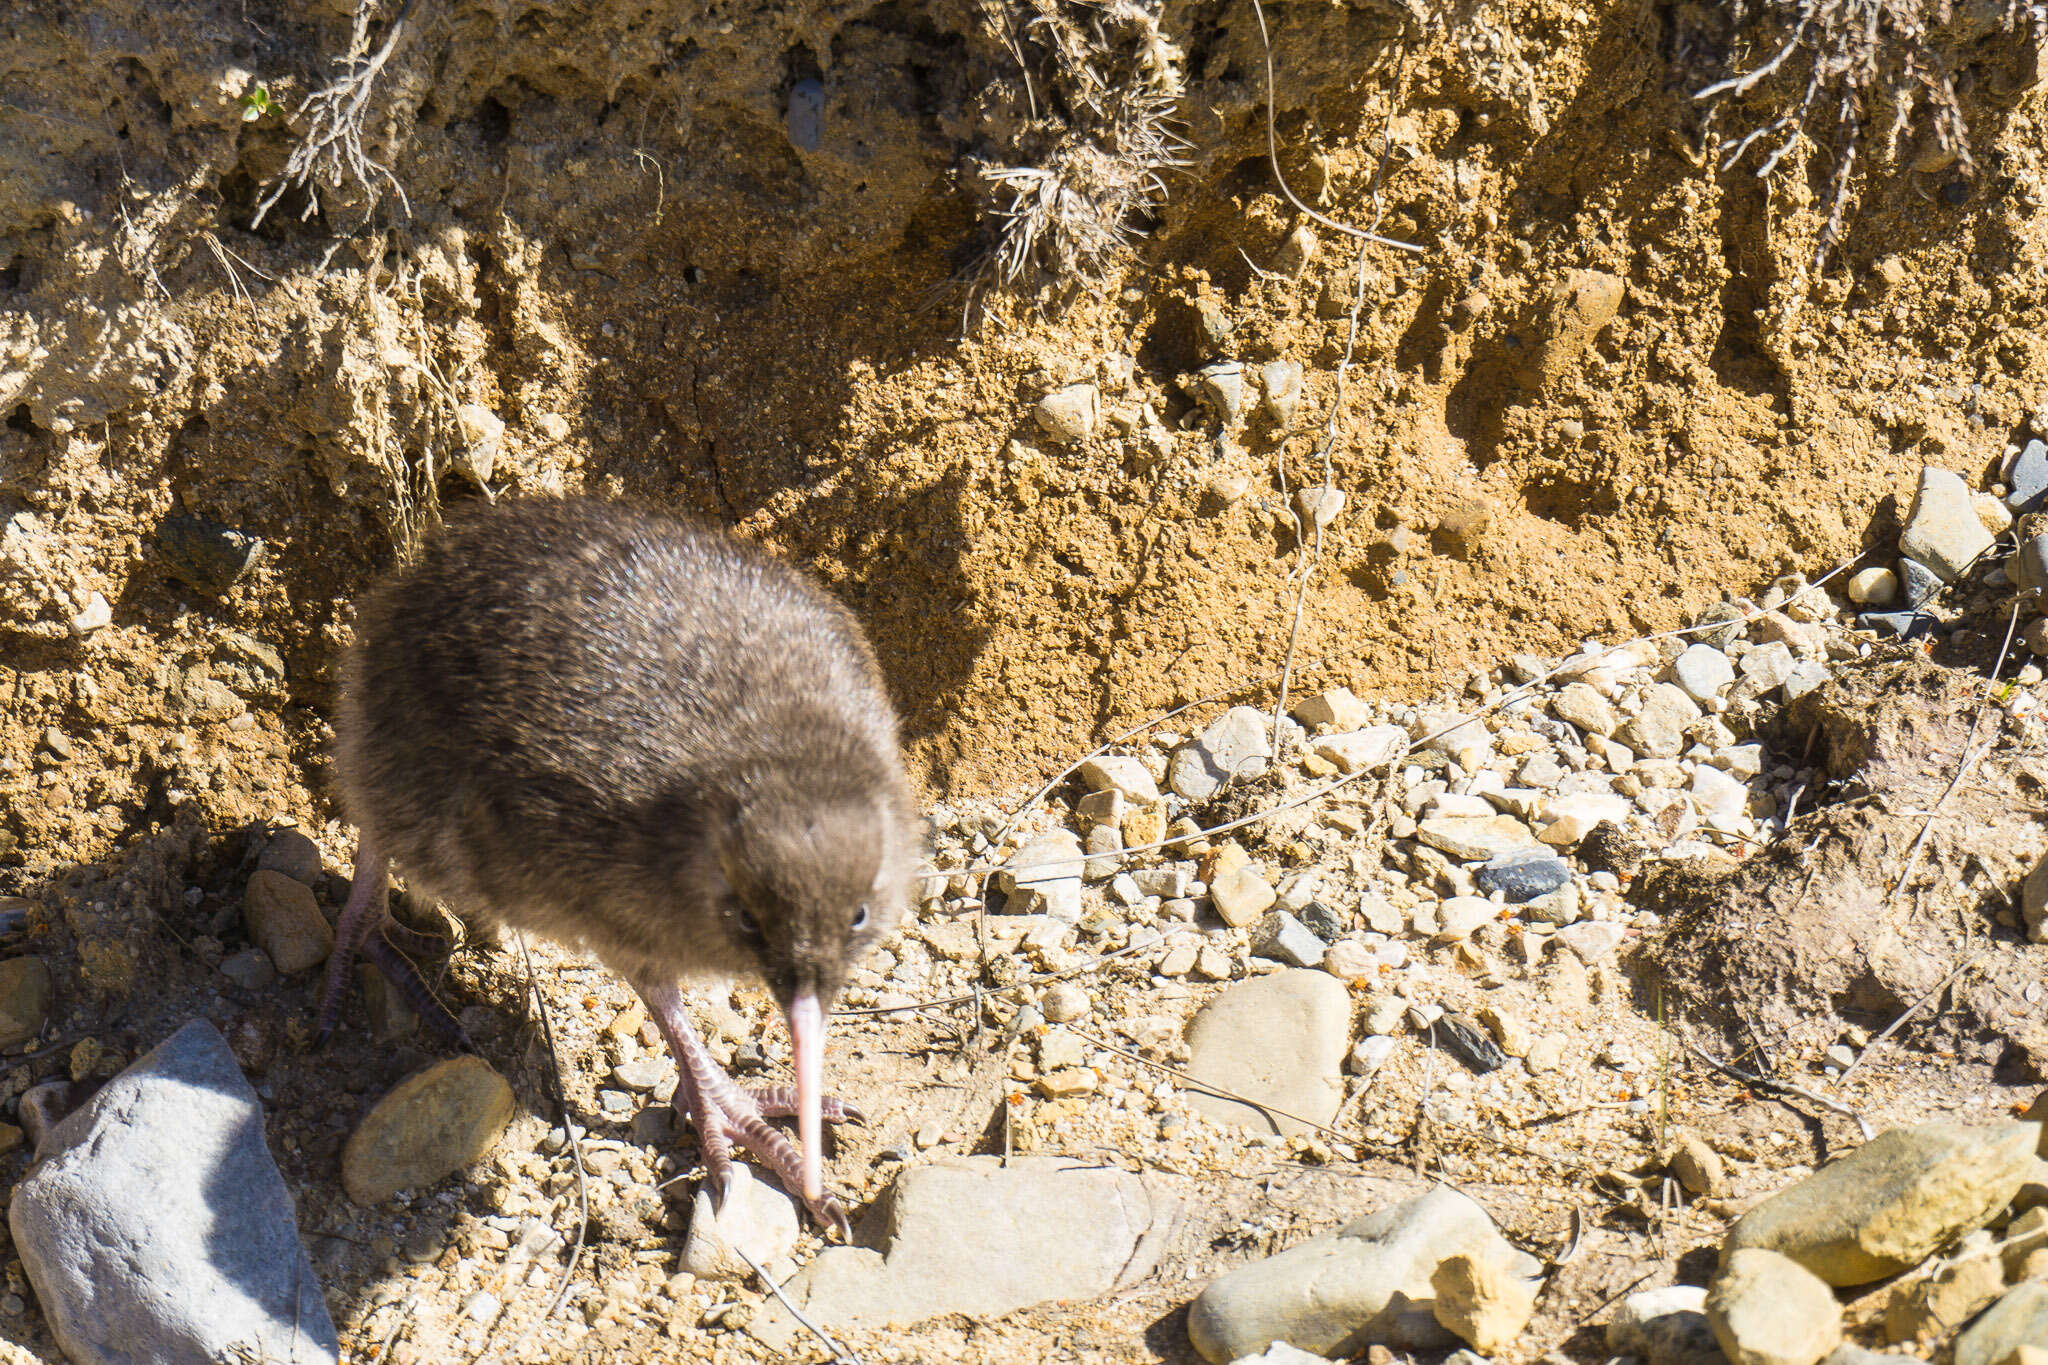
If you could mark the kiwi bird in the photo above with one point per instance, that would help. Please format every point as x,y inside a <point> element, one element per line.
<point>639,736</point>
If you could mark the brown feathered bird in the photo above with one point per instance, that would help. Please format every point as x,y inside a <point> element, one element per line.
<point>640,736</point>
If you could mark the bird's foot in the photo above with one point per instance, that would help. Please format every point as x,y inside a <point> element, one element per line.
<point>745,1123</point>
<point>725,1114</point>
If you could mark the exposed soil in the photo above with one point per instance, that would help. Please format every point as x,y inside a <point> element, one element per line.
<point>1607,391</point>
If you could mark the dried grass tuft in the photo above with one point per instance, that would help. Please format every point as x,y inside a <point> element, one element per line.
<point>1100,84</point>
<point>1867,75</point>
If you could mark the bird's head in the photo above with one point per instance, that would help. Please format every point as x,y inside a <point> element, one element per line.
<point>811,880</point>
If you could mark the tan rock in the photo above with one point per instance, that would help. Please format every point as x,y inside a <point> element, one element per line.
<point>1767,1309</point>
<point>283,919</point>
<point>1483,1300</point>
<point>1241,896</point>
<point>432,1124</point>
<point>1892,1202</point>
<point>24,999</point>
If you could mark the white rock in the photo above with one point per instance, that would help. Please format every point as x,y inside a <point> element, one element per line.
<point>1715,793</point>
<point>1357,750</point>
<point>1454,734</point>
<point>758,1218</point>
<point>1767,666</point>
<point>1701,671</point>
<point>1282,380</point>
<point>1584,707</point>
<point>97,615</point>
<point>1120,773</point>
<point>1565,820</point>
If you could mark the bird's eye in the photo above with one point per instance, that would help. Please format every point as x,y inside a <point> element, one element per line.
<point>860,919</point>
<point>748,924</point>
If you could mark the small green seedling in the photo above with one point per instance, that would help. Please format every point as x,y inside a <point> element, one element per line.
<point>256,104</point>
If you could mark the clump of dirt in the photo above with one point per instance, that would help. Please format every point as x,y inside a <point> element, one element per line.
<point>1898,889</point>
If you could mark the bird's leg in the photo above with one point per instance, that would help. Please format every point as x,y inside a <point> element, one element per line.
<point>399,970</point>
<point>723,1113</point>
<point>366,927</point>
<point>359,919</point>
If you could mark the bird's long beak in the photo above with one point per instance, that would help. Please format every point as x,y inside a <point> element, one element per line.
<point>807,1041</point>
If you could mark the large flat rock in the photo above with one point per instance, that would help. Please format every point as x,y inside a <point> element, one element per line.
<point>975,1235</point>
<point>155,1226</point>
<point>1277,1039</point>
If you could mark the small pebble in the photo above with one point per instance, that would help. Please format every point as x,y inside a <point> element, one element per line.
<point>1065,1001</point>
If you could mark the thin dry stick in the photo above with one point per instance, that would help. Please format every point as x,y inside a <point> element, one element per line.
<point>547,1027</point>
<point>1911,1010</point>
<point>1273,156</point>
<point>841,1355</point>
<point>1768,1083</point>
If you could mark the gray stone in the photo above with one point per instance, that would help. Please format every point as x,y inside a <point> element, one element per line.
<point>1905,625</point>
<point>1920,584</point>
<point>1277,1040</point>
<point>292,853</point>
<point>1368,1283</point>
<point>1044,877</point>
<point>1523,875</point>
<point>2030,566</point>
<point>1766,667</point>
<point>155,1226</point>
<point>1236,747</point>
<point>1727,622</point>
<point>1804,678</point>
<point>1284,938</point>
<point>1221,389</point>
<point>1894,1201</point>
<point>641,1074</point>
<point>1767,1309</point>
<point>979,1236</point>
<point>1282,380</point>
<point>1666,1326</point>
<point>1943,531</point>
<point>250,969</point>
<point>1701,671</point>
<point>2018,1319</point>
<point>209,556</point>
<point>758,1219</point>
<point>2029,478</point>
